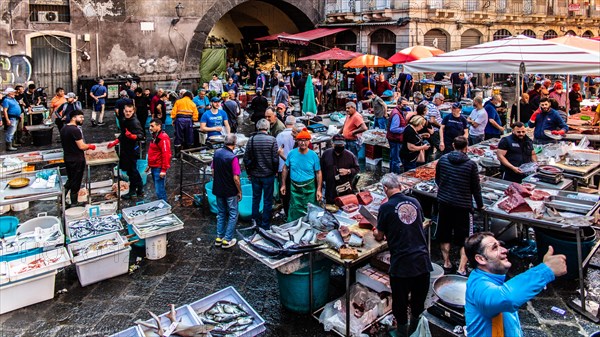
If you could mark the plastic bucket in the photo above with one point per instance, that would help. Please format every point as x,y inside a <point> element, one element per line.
<point>139,244</point>
<point>565,243</point>
<point>8,225</point>
<point>156,247</point>
<point>244,206</point>
<point>141,165</point>
<point>168,120</point>
<point>293,288</point>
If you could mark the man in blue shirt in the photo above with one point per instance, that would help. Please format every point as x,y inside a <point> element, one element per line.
<point>494,127</point>
<point>214,120</point>
<point>492,305</point>
<point>11,111</point>
<point>261,81</point>
<point>98,93</point>
<point>547,119</point>
<point>202,102</point>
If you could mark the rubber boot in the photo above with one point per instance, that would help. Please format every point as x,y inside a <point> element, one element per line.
<point>9,147</point>
<point>177,151</point>
<point>15,144</point>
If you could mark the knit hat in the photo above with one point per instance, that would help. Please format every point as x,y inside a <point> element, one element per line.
<point>304,134</point>
<point>71,95</point>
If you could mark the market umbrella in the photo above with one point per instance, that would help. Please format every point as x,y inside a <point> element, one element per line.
<point>369,61</point>
<point>331,54</point>
<point>578,42</point>
<point>414,53</point>
<point>309,104</point>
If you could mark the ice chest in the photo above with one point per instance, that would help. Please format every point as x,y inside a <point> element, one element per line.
<point>41,232</point>
<point>148,211</point>
<point>96,261</point>
<point>231,295</point>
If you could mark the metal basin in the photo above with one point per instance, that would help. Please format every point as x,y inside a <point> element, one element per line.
<point>451,289</point>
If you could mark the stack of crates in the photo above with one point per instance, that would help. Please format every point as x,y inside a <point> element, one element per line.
<point>385,155</point>
<point>372,154</point>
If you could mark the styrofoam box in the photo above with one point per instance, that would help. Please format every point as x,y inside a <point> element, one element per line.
<point>59,255</point>
<point>362,277</point>
<point>33,290</point>
<point>164,230</point>
<point>184,314</point>
<point>231,295</point>
<point>134,331</point>
<point>164,208</point>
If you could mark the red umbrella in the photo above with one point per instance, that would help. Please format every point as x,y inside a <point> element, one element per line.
<point>414,53</point>
<point>332,54</point>
<point>597,38</point>
<point>272,37</point>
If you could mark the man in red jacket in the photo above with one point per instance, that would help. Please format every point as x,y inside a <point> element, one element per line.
<point>159,157</point>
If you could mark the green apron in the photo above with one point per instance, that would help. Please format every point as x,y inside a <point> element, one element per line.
<point>301,194</point>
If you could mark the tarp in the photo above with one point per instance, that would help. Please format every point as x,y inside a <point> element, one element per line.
<point>305,37</point>
<point>505,57</point>
<point>414,53</point>
<point>309,103</point>
<point>272,37</point>
<point>332,54</point>
<point>213,62</point>
<point>578,42</point>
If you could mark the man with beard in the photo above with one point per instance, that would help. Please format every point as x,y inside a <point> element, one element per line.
<point>526,110</point>
<point>547,119</point>
<point>73,148</point>
<point>303,166</point>
<point>120,106</point>
<point>514,151</point>
<point>492,304</point>
<point>131,134</point>
<point>339,166</point>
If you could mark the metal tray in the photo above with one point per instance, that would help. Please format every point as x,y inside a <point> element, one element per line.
<point>570,205</point>
<point>163,209</point>
<point>231,295</point>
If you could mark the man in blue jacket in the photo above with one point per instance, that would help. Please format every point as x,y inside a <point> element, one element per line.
<point>492,305</point>
<point>494,128</point>
<point>549,119</point>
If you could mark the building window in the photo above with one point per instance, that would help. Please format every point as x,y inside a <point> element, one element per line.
<point>383,43</point>
<point>346,40</point>
<point>587,34</point>
<point>529,33</point>
<point>471,37</point>
<point>570,32</point>
<point>501,34</point>
<point>437,38</point>
<point>40,12</point>
<point>550,35</point>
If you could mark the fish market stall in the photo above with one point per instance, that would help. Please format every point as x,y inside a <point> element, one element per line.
<point>559,214</point>
<point>33,236</point>
<point>99,157</point>
<point>18,190</point>
<point>152,221</point>
<point>31,279</point>
<point>100,258</point>
<point>87,228</point>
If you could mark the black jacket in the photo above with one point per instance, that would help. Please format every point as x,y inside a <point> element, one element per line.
<point>457,178</point>
<point>261,158</point>
<point>129,147</point>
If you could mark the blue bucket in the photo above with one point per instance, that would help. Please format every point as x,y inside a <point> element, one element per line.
<point>141,165</point>
<point>244,206</point>
<point>168,120</point>
<point>8,225</point>
<point>293,288</point>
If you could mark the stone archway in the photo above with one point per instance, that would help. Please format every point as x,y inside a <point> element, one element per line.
<point>306,14</point>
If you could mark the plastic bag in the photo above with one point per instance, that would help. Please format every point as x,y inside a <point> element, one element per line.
<point>332,130</point>
<point>528,168</point>
<point>422,328</point>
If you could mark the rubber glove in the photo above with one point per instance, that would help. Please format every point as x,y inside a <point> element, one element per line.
<point>113,143</point>
<point>91,147</point>
<point>534,116</point>
<point>130,135</point>
<point>559,132</point>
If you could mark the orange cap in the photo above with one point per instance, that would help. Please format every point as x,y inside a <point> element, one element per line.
<point>304,134</point>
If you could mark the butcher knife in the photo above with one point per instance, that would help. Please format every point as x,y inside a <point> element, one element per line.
<point>370,218</point>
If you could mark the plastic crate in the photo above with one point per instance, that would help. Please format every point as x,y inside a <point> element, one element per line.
<point>33,290</point>
<point>134,331</point>
<point>372,151</point>
<point>385,153</point>
<point>185,314</point>
<point>163,209</point>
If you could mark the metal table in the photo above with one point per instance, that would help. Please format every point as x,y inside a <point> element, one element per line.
<point>108,161</point>
<point>192,158</point>
<point>565,184</point>
<point>528,220</point>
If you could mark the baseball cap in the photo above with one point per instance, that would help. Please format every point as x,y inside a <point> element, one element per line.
<point>456,105</point>
<point>225,95</point>
<point>215,99</point>
<point>281,105</point>
<point>9,90</point>
<point>368,93</point>
<point>338,140</point>
<point>71,95</point>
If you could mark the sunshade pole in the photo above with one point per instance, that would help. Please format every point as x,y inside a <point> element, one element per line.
<point>518,94</point>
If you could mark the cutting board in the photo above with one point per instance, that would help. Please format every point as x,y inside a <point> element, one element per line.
<point>582,170</point>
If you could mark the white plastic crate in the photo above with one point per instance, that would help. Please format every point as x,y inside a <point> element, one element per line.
<point>144,232</point>
<point>163,209</point>
<point>231,295</point>
<point>373,279</point>
<point>134,331</point>
<point>184,314</point>
<point>33,290</point>
<point>38,264</point>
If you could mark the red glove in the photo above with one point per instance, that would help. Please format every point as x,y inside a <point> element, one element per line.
<point>113,143</point>
<point>91,147</point>
<point>560,132</point>
<point>534,116</point>
<point>554,132</point>
<point>130,135</point>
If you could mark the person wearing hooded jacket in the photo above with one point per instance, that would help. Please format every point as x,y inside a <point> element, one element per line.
<point>131,134</point>
<point>457,178</point>
<point>546,118</point>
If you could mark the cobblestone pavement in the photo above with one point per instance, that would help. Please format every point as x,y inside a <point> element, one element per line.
<point>194,268</point>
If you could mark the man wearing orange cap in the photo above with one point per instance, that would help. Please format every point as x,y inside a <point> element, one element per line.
<point>303,166</point>
<point>560,95</point>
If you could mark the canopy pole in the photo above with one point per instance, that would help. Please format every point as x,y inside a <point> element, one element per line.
<point>518,93</point>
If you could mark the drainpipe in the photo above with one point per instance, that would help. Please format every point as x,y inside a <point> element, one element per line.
<point>97,57</point>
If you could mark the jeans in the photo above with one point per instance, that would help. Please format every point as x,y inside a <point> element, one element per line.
<point>262,187</point>
<point>476,139</point>
<point>159,183</point>
<point>381,123</point>
<point>9,134</point>
<point>395,157</point>
<point>352,146</point>
<point>409,165</point>
<point>227,216</point>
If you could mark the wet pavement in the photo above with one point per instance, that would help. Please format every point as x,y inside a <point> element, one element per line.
<point>194,268</point>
